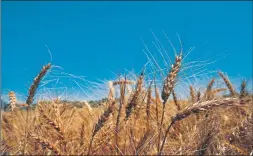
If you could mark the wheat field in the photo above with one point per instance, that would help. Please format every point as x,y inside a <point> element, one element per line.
<point>145,121</point>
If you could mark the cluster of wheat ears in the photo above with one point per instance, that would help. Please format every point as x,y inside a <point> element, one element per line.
<point>142,122</point>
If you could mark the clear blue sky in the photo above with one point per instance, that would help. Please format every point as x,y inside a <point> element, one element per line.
<point>94,38</point>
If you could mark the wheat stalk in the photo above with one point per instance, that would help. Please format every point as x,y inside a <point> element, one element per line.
<point>196,108</point>
<point>157,100</point>
<point>31,94</point>
<point>237,148</point>
<point>122,97</point>
<point>169,85</point>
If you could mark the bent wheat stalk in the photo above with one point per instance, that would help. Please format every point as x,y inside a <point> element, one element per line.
<point>196,108</point>
<point>31,94</point>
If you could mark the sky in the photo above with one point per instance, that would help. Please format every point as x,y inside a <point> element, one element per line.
<point>99,40</point>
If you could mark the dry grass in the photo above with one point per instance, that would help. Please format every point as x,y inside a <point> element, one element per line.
<point>137,125</point>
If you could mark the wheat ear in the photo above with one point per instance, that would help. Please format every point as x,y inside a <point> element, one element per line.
<point>13,100</point>
<point>198,96</point>
<point>143,141</point>
<point>132,104</point>
<point>88,106</point>
<point>35,84</point>
<point>111,95</point>
<point>228,83</point>
<point>47,144</point>
<point>209,89</point>
<point>171,78</point>
<point>122,100</point>
<point>196,108</point>
<point>51,122</point>
<point>243,91</point>
<point>103,118</point>
<point>81,134</point>
<point>192,93</point>
<point>175,100</point>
